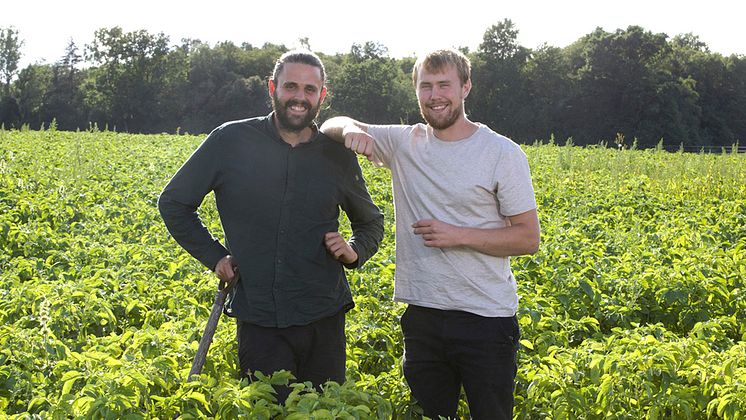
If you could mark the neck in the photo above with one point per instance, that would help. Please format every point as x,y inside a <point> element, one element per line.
<point>461,129</point>
<point>292,137</point>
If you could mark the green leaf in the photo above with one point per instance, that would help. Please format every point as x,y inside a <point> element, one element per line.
<point>199,397</point>
<point>36,403</point>
<point>71,374</point>
<point>586,288</point>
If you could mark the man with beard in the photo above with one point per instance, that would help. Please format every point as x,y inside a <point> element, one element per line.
<point>464,204</point>
<point>279,185</point>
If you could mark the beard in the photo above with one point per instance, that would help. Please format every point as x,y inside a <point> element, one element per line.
<point>293,122</point>
<point>441,122</point>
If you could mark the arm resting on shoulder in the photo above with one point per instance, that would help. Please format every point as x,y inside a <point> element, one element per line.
<point>337,127</point>
<point>354,134</point>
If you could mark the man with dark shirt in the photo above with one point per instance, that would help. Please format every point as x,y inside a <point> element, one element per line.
<point>279,185</point>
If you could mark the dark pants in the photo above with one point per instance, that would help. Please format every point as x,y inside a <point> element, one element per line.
<point>313,352</point>
<point>445,350</point>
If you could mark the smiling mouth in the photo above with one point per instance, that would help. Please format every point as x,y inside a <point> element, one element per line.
<point>298,107</point>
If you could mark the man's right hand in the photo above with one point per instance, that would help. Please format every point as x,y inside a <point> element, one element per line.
<point>227,270</point>
<point>359,141</point>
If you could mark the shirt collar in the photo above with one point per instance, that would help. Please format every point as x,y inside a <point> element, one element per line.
<point>272,129</point>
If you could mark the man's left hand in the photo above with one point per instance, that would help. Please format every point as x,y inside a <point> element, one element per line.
<point>438,234</point>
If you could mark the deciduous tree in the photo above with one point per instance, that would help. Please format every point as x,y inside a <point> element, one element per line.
<point>372,87</point>
<point>498,97</point>
<point>10,55</point>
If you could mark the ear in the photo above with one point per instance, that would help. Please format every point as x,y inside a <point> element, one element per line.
<point>466,88</point>
<point>323,94</point>
<point>271,86</point>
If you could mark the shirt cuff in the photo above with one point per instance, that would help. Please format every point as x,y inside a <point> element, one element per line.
<point>216,253</point>
<point>356,263</point>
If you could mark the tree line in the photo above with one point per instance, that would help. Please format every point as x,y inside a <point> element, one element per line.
<point>626,86</point>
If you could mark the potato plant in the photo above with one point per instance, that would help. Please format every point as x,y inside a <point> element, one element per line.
<point>633,308</point>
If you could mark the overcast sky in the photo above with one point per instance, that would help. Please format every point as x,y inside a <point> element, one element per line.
<point>404,27</point>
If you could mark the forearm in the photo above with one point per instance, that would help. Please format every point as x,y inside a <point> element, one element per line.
<point>336,127</point>
<point>501,242</point>
<point>520,237</point>
<point>366,237</point>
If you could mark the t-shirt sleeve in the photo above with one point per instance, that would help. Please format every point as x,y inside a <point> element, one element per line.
<point>515,192</point>
<point>387,140</point>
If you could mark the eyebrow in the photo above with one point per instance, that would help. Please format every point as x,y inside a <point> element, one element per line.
<point>293,84</point>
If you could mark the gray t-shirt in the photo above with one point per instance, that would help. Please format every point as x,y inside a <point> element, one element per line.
<point>475,182</point>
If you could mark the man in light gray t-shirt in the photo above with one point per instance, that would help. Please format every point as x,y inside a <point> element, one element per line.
<point>464,204</point>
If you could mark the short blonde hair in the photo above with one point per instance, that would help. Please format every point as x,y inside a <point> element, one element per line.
<point>437,61</point>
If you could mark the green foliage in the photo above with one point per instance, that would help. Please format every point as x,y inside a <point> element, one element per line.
<point>634,306</point>
<point>633,302</point>
<point>632,81</point>
<point>10,54</point>
<point>134,72</point>
<point>372,87</point>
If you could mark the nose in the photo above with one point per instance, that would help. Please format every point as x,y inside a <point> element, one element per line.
<point>299,94</point>
<point>436,92</point>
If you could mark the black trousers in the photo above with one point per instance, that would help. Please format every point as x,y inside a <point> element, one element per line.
<point>313,352</point>
<point>445,350</point>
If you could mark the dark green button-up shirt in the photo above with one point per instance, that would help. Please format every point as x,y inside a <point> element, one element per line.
<point>275,202</point>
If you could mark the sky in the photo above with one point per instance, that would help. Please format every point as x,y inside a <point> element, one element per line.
<point>404,27</point>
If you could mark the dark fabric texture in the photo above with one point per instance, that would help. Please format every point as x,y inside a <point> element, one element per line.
<point>313,352</point>
<point>448,350</point>
<point>275,202</point>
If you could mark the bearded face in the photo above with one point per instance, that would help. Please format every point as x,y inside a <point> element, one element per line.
<point>293,114</point>
<point>441,95</point>
<point>441,114</point>
<point>297,94</point>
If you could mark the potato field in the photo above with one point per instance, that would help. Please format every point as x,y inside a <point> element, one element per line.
<point>634,307</point>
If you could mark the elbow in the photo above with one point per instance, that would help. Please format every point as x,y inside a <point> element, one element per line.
<point>532,245</point>
<point>380,229</point>
<point>533,239</point>
<point>333,123</point>
<point>167,207</point>
<point>161,204</point>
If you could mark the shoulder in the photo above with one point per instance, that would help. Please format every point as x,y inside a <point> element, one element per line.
<point>398,127</point>
<point>334,148</point>
<point>333,157</point>
<point>241,125</point>
<point>498,141</point>
<point>237,130</point>
<point>393,130</point>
